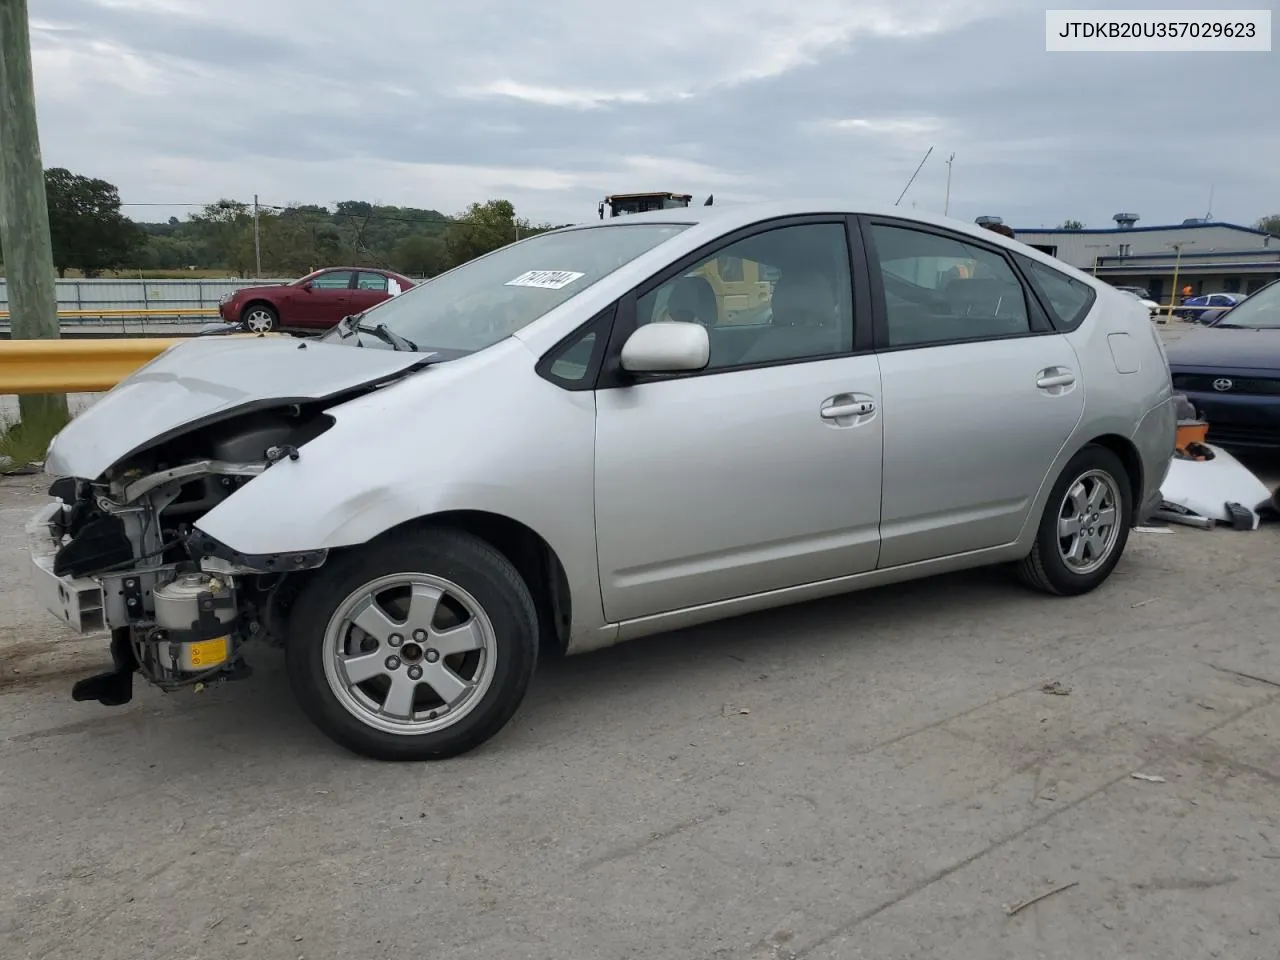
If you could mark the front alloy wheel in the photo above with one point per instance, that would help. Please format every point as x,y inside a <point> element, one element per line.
<point>410,653</point>
<point>418,646</point>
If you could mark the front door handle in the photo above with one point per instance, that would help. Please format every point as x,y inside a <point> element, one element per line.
<point>1048,380</point>
<point>859,408</point>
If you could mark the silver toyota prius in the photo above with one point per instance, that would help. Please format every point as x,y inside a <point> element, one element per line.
<point>594,434</point>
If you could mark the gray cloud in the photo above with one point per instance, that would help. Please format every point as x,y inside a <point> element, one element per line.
<point>220,42</point>
<point>441,104</point>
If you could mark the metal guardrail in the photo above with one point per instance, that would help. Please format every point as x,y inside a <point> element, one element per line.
<point>126,322</point>
<point>79,366</point>
<point>138,293</point>
<point>132,312</point>
<point>73,366</point>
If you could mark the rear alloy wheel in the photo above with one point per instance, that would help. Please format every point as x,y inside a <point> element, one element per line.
<point>1084,528</point>
<point>415,649</point>
<point>259,318</point>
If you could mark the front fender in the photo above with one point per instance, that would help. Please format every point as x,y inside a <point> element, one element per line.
<point>483,433</point>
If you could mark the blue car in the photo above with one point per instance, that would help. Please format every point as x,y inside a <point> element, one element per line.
<point>1199,309</point>
<point>1230,370</point>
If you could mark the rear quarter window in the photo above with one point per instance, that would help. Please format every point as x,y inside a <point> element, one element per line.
<point>1068,300</point>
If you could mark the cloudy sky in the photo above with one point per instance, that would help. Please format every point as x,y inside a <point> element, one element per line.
<point>555,103</point>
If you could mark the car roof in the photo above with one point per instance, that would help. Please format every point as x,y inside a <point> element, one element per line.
<point>732,216</point>
<point>362,269</point>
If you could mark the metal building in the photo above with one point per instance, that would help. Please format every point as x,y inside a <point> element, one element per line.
<point>1207,256</point>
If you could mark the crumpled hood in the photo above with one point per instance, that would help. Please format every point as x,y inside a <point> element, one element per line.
<point>205,379</point>
<point>1217,347</point>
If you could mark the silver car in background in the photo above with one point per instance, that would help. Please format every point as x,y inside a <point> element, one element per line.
<point>595,434</point>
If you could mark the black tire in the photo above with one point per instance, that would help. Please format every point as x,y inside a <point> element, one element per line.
<point>264,309</point>
<point>453,555</point>
<point>1044,568</point>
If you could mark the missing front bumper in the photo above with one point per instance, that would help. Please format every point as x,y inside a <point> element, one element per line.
<point>77,601</point>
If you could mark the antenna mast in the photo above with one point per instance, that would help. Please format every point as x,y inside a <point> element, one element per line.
<point>946,203</point>
<point>913,178</point>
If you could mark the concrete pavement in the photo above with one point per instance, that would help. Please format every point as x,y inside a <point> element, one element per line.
<point>878,776</point>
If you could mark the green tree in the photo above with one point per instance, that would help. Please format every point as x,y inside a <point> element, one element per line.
<point>86,227</point>
<point>1270,223</point>
<point>225,232</point>
<point>295,240</point>
<point>483,228</point>
<point>420,255</point>
<point>167,253</point>
<point>1071,225</point>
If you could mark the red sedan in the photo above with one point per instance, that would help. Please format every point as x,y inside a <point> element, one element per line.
<point>314,302</point>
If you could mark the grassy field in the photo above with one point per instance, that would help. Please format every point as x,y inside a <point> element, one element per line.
<point>211,274</point>
<point>23,443</point>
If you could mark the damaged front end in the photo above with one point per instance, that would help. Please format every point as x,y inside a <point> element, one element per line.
<point>118,548</point>
<point>123,553</point>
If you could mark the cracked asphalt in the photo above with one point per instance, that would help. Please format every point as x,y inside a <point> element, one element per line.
<point>891,774</point>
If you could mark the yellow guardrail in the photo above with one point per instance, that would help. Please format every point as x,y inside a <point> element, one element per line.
<point>80,366</point>
<point>74,366</point>
<point>125,313</point>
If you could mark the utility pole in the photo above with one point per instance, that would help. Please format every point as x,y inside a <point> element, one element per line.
<point>946,203</point>
<point>24,210</point>
<point>257,244</point>
<point>1177,264</point>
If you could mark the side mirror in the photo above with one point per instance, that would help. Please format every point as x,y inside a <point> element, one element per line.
<point>667,347</point>
<point>305,286</point>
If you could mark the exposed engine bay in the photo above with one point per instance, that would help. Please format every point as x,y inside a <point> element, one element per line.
<point>180,606</point>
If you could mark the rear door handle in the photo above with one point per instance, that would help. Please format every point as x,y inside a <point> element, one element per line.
<point>858,408</point>
<point>1048,380</point>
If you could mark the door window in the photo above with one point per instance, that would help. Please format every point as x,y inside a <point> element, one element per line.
<point>940,289</point>
<point>784,294</point>
<point>334,280</point>
<point>1069,299</point>
<point>375,282</point>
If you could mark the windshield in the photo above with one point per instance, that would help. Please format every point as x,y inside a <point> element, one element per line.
<point>488,299</point>
<point>1261,311</point>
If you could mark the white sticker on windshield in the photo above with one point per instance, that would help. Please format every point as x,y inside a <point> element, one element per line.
<point>546,279</point>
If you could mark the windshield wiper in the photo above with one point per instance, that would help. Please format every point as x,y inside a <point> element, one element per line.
<point>352,324</point>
